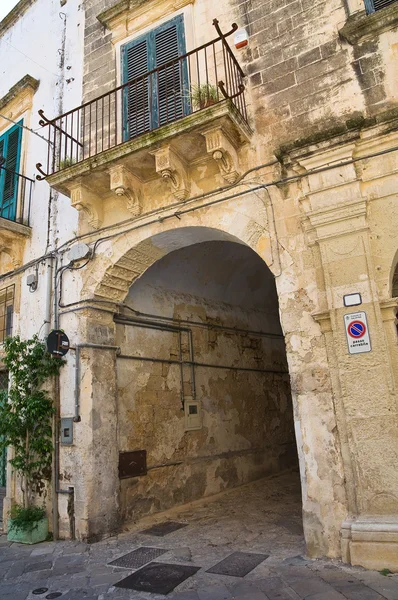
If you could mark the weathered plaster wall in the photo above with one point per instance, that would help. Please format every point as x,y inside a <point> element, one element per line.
<point>247,416</point>
<point>32,45</point>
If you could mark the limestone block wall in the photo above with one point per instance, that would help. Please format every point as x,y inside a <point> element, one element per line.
<point>316,100</point>
<point>247,420</point>
<point>305,76</point>
<point>247,417</point>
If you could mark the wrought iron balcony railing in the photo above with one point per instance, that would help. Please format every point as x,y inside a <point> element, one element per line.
<point>15,196</point>
<point>192,82</point>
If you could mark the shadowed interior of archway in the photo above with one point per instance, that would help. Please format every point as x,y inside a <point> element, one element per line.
<point>203,383</point>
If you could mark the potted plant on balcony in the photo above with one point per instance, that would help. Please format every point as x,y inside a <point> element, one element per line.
<point>204,95</point>
<point>26,413</point>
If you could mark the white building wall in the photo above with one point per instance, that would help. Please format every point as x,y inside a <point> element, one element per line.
<point>46,42</point>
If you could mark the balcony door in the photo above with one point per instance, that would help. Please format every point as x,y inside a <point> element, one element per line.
<point>10,149</point>
<point>157,94</point>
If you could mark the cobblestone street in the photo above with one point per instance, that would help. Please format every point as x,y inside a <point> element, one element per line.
<point>261,518</point>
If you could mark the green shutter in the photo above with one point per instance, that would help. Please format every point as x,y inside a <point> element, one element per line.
<point>10,147</point>
<point>158,99</point>
<point>170,105</point>
<point>373,5</point>
<point>137,112</point>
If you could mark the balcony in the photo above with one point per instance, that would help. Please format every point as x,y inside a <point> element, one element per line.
<point>15,201</point>
<point>154,130</point>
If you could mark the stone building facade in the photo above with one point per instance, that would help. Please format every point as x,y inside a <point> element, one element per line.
<point>236,246</point>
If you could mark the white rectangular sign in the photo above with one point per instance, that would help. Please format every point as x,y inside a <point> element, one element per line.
<point>357,333</point>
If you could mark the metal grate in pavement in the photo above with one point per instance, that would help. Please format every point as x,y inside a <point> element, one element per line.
<point>157,578</point>
<point>162,529</point>
<point>137,558</point>
<point>238,564</point>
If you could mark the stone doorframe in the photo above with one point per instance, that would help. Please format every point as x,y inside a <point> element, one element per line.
<point>117,265</point>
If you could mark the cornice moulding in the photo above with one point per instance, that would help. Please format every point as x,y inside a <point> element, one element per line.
<point>129,9</point>
<point>361,26</point>
<point>14,15</point>
<point>23,84</point>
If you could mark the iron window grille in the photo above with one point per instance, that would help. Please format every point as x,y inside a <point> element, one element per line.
<point>6,312</point>
<point>375,5</point>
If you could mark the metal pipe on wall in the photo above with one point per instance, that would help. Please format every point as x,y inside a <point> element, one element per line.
<point>148,324</point>
<point>170,361</point>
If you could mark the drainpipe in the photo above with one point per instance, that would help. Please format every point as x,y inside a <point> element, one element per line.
<point>47,308</point>
<point>56,421</point>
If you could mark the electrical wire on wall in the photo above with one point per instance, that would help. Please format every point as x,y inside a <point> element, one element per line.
<point>177,214</point>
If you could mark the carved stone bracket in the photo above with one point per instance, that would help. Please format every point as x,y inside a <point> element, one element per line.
<point>324,320</point>
<point>127,186</point>
<point>82,198</point>
<point>170,167</point>
<point>223,152</point>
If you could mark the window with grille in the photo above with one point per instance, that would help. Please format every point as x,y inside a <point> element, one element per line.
<point>10,154</point>
<point>158,91</point>
<point>374,5</point>
<point>6,312</point>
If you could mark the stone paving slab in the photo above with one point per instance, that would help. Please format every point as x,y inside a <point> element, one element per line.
<point>250,519</point>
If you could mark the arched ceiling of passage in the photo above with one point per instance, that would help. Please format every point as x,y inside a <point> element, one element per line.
<point>220,271</point>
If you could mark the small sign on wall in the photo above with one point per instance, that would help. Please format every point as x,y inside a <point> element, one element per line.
<point>357,333</point>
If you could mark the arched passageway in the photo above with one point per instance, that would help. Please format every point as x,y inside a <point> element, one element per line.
<point>203,383</point>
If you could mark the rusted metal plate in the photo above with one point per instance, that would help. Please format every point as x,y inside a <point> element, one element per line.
<point>157,578</point>
<point>132,464</point>
<point>138,558</point>
<point>238,564</point>
<point>162,529</point>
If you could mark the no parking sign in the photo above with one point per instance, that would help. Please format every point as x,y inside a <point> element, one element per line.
<point>357,333</point>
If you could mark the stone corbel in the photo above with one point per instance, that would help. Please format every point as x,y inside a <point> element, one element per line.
<point>171,169</point>
<point>223,152</point>
<point>127,186</point>
<point>324,320</point>
<point>82,198</point>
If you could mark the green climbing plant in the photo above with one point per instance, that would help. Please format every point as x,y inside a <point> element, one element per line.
<point>26,412</point>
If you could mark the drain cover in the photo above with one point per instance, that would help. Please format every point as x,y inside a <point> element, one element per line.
<point>39,591</point>
<point>54,595</point>
<point>238,564</point>
<point>137,558</point>
<point>157,578</point>
<point>165,528</point>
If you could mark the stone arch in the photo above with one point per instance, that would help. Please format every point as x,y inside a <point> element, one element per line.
<point>127,258</point>
<point>120,261</point>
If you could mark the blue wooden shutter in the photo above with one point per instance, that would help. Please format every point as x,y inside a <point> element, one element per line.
<point>11,150</point>
<point>169,44</point>
<point>373,5</point>
<point>2,173</point>
<point>137,112</point>
<point>158,99</point>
